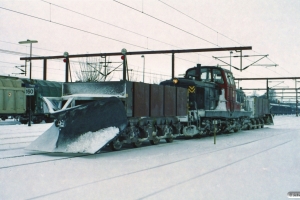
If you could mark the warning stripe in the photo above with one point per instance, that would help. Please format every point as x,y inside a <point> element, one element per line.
<point>192,89</point>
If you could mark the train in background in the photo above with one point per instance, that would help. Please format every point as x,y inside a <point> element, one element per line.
<point>283,109</point>
<point>14,102</point>
<point>253,103</point>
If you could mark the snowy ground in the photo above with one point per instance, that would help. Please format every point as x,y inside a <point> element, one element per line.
<point>256,164</point>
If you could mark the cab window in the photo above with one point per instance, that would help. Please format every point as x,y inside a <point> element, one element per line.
<point>191,74</point>
<point>217,76</point>
<point>205,75</point>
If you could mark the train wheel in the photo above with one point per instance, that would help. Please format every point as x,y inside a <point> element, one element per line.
<point>137,144</point>
<point>154,141</point>
<point>24,121</point>
<point>49,120</point>
<point>169,140</point>
<point>262,123</point>
<point>37,120</point>
<point>116,145</point>
<point>253,124</point>
<point>258,124</point>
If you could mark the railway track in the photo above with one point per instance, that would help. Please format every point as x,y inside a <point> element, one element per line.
<point>14,154</point>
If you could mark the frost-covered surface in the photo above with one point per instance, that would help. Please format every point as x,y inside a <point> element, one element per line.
<point>93,95</point>
<point>255,164</point>
<point>89,142</point>
<point>114,88</point>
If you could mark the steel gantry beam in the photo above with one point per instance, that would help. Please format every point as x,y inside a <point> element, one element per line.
<point>269,88</point>
<point>241,56</point>
<point>173,52</point>
<point>141,52</point>
<point>271,78</point>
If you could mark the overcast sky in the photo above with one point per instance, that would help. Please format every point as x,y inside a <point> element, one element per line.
<point>93,26</point>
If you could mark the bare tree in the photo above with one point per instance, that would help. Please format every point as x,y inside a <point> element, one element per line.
<point>272,96</point>
<point>132,76</point>
<point>157,79</point>
<point>93,69</point>
<point>255,93</point>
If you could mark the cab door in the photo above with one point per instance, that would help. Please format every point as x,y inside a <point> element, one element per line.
<point>224,80</point>
<point>231,96</point>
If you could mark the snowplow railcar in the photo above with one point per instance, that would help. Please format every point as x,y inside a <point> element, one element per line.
<point>203,102</point>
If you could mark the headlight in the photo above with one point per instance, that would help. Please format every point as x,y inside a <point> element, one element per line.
<point>175,80</point>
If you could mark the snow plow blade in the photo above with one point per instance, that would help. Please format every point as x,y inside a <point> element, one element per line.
<point>83,129</point>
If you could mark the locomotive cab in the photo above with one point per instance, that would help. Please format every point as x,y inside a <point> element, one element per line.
<point>222,77</point>
<point>202,95</point>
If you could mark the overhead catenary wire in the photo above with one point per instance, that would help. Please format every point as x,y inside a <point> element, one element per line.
<point>119,27</point>
<point>176,27</point>
<point>199,22</point>
<point>71,27</point>
<point>210,28</point>
<point>127,29</point>
<point>22,45</point>
<point>107,23</point>
<point>218,33</point>
<point>78,29</point>
<point>160,20</point>
<point>100,20</point>
<point>95,33</point>
<point>203,24</point>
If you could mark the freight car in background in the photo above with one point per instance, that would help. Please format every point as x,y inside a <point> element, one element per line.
<point>282,109</point>
<point>14,103</point>
<point>258,106</point>
<point>260,110</point>
<point>262,106</point>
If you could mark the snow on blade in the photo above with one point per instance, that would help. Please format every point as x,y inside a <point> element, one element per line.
<point>91,142</point>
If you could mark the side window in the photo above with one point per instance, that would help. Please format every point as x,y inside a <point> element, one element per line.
<point>191,74</point>
<point>217,76</point>
<point>230,79</point>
